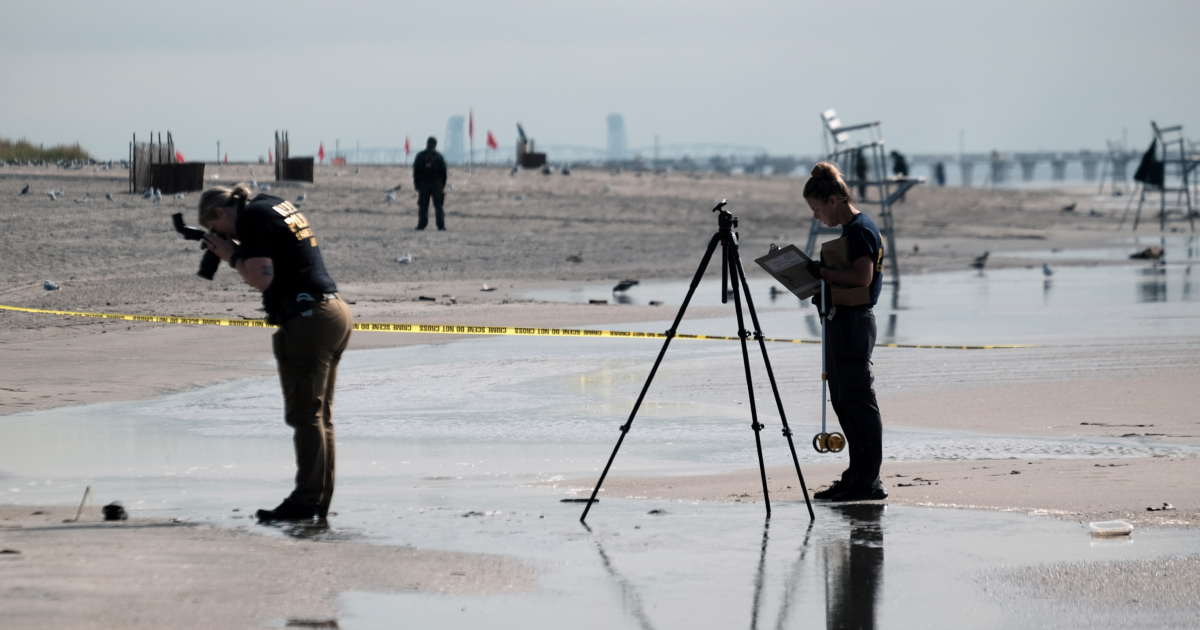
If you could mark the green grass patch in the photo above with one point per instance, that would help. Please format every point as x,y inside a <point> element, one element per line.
<point>25,150</point>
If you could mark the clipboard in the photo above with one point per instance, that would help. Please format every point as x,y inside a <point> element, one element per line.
<point>788,265</point>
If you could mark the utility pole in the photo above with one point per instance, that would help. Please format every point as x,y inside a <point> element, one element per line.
<point>218,151</point>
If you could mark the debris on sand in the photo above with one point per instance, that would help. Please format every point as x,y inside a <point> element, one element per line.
<point>114,512</point>
<point>426,298</point>
<point>575,258</point>
<point>1154,252</point>
<point>1166,507</point>
<point>1111,528</point>
<point>486,288</point>
<point>50,286</point>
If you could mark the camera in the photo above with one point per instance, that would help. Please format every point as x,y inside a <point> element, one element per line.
<point>209,263</point>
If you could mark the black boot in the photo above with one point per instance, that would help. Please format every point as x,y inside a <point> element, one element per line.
<point>287,511</point>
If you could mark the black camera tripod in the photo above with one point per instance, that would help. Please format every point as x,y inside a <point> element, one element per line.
<point>730,263</point>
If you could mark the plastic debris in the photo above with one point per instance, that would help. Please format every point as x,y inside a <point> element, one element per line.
<point>1111,528</point>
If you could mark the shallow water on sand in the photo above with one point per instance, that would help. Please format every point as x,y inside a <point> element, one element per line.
<point>438,445</point>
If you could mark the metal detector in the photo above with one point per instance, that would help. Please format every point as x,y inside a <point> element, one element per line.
<point>730,264</point>
<point>825,442</point>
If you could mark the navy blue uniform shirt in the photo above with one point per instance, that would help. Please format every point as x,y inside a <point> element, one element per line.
<point>862,239</point>
<point>269,227</point>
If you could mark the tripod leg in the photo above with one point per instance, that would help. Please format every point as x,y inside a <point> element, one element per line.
<point>730,245</point>
<point>712,245</point>
<point>762,344</point>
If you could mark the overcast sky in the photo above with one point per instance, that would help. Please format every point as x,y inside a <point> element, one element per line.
<point>1013,75</point>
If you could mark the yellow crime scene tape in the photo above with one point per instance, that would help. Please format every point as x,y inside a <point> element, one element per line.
<point>455,329</point>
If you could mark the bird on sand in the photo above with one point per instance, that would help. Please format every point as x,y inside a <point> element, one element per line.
<point>179,195</point>
<point>52,195</point>
<point>980,261</point>
<point>405,259</point>
<point>623,285</point>
<point>157,195</point>
<point>1070,208</point>
<point>302,197</point>
<point>149,194</point>
<point>389,198</point>
<point>25,190</point>
<point>253,183</point>
<point>1046,270</point>
<point>108,196</point>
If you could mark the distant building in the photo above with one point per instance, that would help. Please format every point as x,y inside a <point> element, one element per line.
<point>454,144</point>
<point>618,147</point>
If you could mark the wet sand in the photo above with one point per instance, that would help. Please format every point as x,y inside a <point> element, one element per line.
<point>145,573</point>
<point>513,234</point>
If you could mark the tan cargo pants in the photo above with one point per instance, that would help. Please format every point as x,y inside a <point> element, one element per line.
<point>307,351</point>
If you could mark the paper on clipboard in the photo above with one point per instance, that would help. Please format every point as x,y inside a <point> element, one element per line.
<point>788,265</point>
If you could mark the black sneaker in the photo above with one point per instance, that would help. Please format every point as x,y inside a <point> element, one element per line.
<point>855,493</point>
<point>287,511</point>
<point>837,487</point>
<point>441,229</point>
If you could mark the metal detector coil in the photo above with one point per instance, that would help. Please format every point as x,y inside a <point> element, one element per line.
<point>829,442</point>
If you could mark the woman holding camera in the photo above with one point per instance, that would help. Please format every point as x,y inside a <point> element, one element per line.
<point>850,334</point>
<point>272,247</point>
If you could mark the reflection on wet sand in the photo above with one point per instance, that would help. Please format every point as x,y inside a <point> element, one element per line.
<point>854,569</point>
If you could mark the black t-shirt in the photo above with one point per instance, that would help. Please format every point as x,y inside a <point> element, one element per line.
<point>269,227</point>
<point>429,170</point>
<point>862,239</point>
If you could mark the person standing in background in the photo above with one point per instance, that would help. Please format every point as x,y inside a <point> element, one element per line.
<point>429,178</point>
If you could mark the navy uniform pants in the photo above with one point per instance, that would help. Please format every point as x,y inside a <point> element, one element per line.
<point>850,338</point>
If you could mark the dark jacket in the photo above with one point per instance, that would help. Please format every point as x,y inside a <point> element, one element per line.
<point>429,170</point>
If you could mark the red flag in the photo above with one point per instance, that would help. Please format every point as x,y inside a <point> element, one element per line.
<point>321,152</point>
<point>179,157</point>
<point>406,149</point>
<point>270,158</point>
<point>491,143</point>
<point>471,125</point>
<point>226,158</point>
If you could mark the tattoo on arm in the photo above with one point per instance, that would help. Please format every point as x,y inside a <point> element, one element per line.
<point>268,270</point>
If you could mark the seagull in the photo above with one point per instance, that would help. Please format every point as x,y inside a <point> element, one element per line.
<point>179,195</point>
<point>302,197</point>
<point>253,184</point>
<point>623,285</point>
<point>52,195</point>
<point>487,288</point>
<point>1046,270</point>
<point>356,170</point>
<point>265,188</point>
<point>108,196</point>
<point>980,261</point>
<point>566,170</point>
<point>389,198</point>
<point>148,194</point>
<point>25,190</point>
<point>513,172</point>
<point>157,195</point>
<point>81,200</point>
<point>405,259</point>
<point>1070,208</point>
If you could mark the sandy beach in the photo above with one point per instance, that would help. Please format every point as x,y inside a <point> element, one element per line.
<point>515,234</point>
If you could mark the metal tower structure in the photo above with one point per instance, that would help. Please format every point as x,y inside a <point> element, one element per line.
<point>863,163</point>
<point>454,146</point>
<point>1170,148</point>
<point>618,148</point>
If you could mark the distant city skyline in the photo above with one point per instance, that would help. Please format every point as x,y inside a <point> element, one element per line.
<point>1017,75</point>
